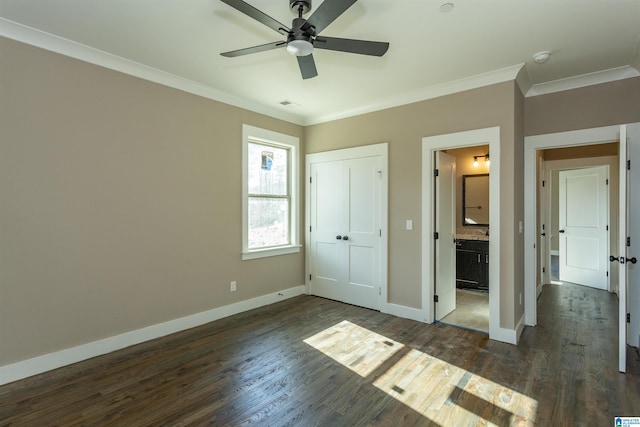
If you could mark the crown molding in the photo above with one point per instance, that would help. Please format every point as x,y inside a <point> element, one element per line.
<point>431,92</point>
<point>31,36</point>
<point>575,82</point>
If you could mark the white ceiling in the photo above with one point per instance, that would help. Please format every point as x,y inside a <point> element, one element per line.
<point>178,43</point>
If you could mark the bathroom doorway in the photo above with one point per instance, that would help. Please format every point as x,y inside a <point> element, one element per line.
<point>470,210</point>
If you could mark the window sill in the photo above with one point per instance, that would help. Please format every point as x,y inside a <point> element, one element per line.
<point>263,253</point>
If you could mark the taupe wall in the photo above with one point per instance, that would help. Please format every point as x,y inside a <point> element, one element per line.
<point>403,128</point>
<point>120,204</point>
<point>589,107</point>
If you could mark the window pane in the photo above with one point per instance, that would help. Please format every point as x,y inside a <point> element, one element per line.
<point>268,222</point>
<point>267,170</point>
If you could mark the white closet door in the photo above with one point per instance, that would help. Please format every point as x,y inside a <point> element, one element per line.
<point>345,241</point>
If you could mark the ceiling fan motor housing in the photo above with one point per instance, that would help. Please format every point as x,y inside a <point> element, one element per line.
<point>300,31</point>
<point>295,6</point>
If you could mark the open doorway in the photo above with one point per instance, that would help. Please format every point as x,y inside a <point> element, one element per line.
<point>431,145</point>
<point>578,215</point>
<point>470,209</point>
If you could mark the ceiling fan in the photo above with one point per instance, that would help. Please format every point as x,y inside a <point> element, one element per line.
<point>303,36</point>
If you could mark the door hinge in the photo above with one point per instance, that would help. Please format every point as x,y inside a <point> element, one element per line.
<point>543,182</point>
<point>628,317</point>
<point>309,277</point>
<point>379,291</point>
<point>628,165</point>
<point>607,228</point>
<point>310,180</point>
<point>435,236</point>
<point>436,172</point>
<point>628,241</point>
<point>607,274</point>
<point>381,232</point>
<point>543,270</point>
<point>435,298</point>
<point>309,229</point>
<point>606,182</point>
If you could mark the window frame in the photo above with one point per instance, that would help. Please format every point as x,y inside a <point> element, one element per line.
<point>252,134</point>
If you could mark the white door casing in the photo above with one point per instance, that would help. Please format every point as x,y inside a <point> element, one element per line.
<point>584,219</point>
<point>445,249</point>
<point>430,145</point>
<point>346,252</point>
<point>568,139</point>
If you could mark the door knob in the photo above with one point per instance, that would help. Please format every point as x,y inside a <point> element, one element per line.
<point>560,231</point>
<point>338,237</point>
<point>613,258</point>
<point>345,237</point>
<point>632,260</point>
<point>543,234</point>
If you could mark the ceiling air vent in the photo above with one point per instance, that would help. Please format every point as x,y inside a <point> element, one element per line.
<point>286,103</point>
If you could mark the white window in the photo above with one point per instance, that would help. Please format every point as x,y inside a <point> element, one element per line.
<point>270,202</point>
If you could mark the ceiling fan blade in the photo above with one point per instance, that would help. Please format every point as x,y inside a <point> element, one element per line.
<point>327,12</point>
<point>362,47</point>
<point>254,49</point>
<point>258,15</point>
<point>307,66</point>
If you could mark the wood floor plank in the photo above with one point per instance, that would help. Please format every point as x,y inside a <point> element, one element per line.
<point>312,361</point>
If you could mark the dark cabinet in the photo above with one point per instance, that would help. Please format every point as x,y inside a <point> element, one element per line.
<point>472,264</point>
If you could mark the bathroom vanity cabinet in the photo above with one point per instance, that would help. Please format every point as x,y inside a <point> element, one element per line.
<point>472,264</point>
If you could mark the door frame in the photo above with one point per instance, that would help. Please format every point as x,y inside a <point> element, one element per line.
<point>531,145</point>
<point>381,150</point>
<point>430,145</point>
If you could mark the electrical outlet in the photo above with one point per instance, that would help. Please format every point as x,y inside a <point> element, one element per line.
<point>233,286</point>
<point>520,298</point>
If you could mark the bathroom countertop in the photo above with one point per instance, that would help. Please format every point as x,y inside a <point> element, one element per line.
<point>472,237</point>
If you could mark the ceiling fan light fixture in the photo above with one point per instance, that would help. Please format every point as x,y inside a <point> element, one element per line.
<point>300,47</point>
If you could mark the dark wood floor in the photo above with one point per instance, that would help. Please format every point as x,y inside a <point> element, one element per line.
<point>311,361</point>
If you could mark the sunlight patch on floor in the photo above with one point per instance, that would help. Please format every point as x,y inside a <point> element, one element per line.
<point>355,347</point>
<point>445,393</point>
<point>440,391</point>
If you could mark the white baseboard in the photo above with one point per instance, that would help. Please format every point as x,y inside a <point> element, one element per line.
<point>509,336</point>
<point>48,362</point>
<point>405,312</point>
<point>520,328</point>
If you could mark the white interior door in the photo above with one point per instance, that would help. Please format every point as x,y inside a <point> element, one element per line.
<point>362,235</point>
<point>327,217</point>
<point>584,243</point>
<point>633,233</point>
<point>345,237</point>
<point>622,250</point>
<point>445,202</point>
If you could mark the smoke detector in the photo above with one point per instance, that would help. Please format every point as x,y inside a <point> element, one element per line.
<point>541,57</point>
